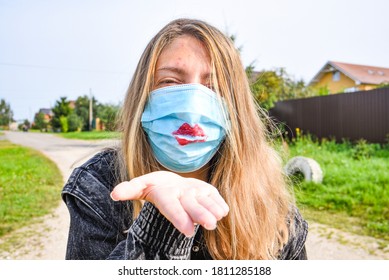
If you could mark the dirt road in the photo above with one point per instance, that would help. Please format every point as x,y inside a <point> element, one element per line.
<point>46,240</point>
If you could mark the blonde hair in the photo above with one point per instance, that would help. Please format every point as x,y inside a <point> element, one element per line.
<point>246,170</point>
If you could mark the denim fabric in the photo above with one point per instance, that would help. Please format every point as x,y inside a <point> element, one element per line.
<point>101,228</point>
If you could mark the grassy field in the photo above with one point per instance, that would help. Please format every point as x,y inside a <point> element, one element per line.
<point>90,135</point>
<point>30,186</point>
<point>354,194</point>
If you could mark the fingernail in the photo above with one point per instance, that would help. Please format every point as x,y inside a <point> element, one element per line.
<point>113,197</point>
<point>209,227</point>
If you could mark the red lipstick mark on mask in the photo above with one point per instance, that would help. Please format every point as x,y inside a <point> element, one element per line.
<point>187,134</point>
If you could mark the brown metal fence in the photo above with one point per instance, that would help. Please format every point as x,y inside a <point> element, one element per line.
<point>352,116</point>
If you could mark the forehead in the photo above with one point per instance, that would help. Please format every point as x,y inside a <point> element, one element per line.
<point>183,50</point>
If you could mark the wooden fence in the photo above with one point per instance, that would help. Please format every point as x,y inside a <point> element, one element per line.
<point>352,116</point>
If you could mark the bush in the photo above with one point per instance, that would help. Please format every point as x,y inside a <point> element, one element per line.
<point>362,150</point>
<point>75,123</point>
<point>64,124</point>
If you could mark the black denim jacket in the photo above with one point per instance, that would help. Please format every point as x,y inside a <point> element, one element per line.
<point>101,228</point>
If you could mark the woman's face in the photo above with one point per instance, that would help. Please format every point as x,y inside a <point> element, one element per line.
<point>184,61</point>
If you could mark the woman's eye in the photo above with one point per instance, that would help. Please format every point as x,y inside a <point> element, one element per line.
<point>168,82</point>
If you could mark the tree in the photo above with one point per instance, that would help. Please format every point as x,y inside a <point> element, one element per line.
<point>40,122</point>
<point>271,86</point>
<point>6,114</point>
<point>61,110</point>
<point>107,114</point>
<point>75,122</point>
<point>25,126</point>
<point>82,110</point>
<point>383,85</point>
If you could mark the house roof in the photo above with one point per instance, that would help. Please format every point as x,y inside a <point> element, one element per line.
<point>361,74</point>
<point>46,111</point>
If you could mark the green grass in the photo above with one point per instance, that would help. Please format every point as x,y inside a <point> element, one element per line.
<point>90,135</point>
<point>354,194</point>
<point>30,186</point>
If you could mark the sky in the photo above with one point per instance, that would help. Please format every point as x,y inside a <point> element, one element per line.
<point>71,48</point>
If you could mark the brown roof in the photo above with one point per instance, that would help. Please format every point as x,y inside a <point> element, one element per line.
<point>362,74</point>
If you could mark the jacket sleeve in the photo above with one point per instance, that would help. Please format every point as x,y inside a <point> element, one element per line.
<point>98,231</point>
<point>152,237</point>
<point>295,248</point>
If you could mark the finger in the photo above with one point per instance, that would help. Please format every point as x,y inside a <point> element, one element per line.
<point>137,188</point>
<point>176,214</point>
<point>198,213</point>
<point>213,207</point>
<point>129,190</point>
<point>206,189</point>
<point>219,200</point>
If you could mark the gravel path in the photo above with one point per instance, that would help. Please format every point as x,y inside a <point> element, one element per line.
<point>46,239</point>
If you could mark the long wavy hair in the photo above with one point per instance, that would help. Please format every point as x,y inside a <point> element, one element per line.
<point>246,170</point>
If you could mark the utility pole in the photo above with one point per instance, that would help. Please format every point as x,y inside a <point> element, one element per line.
<point>9,119</point>
<point>90,109</point>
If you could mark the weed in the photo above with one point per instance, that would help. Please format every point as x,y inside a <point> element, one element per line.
<point>362,150</point>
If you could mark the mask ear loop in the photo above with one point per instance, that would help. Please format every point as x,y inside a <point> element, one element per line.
<point>225,112</point>
<point>221,99</point>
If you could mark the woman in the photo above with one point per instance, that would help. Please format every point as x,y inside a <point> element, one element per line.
<point>195,177</point>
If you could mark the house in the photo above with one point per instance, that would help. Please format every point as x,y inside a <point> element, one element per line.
<point>72,104</point>
<point>345,77</point>
<point>47,113</point>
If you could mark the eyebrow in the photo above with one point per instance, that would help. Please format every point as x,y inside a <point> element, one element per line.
<point>172,69</point>
<point>181,71</point>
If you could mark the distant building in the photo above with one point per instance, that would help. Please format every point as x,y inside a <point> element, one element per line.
<point>13,126</point>
<point>345,77</point>
<point>48,114</point>
<point>72,104</point>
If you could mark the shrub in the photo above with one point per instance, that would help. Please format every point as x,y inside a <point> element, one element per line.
<point>64,124</point>
<point>362,150</point>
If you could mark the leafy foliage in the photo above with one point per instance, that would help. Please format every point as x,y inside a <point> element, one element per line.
<point>61,110</point>
<point>82,110</point>
<point>107,114</point>
<point>6,114</point>
<point>74,122</point>
<point>362,150</point>
<point>40,122</point>
<point>67,119</point>
<point>271,86</point>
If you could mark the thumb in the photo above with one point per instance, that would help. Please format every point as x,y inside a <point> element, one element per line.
<point>129,190</point>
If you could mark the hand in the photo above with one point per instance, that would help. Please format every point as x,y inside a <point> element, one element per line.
<point>183,201</point>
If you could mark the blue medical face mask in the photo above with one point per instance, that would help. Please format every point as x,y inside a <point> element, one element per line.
<point>185,126</point>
